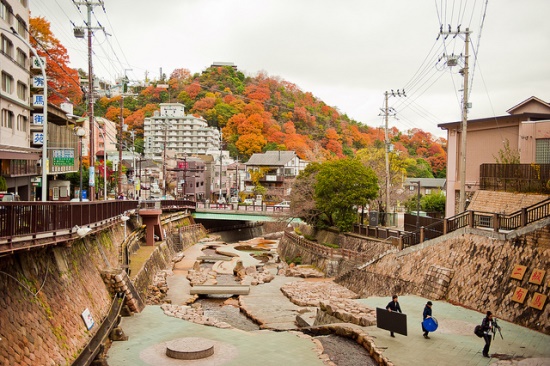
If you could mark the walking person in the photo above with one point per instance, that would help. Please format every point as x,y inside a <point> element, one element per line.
<point>425,315</point>
<point>393,305</point>
<point>488,326</point>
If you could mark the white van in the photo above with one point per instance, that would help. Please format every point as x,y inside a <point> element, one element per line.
<point>155,188</point>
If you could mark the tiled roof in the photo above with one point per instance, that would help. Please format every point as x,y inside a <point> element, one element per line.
<point>272,158</point>
<point>427,182</point>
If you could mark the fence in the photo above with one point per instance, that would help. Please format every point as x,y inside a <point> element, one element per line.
<point>29,221</point>
<point>515,177</point>
<point>478,219</point>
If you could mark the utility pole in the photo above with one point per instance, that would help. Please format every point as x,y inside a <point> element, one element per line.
<point>79,34</point>
<point>120,145</point>
<point>417,203</point>
<point>221,153</point>
<point>387,144</point>
<point>465,106</point>
<point>164,155</point>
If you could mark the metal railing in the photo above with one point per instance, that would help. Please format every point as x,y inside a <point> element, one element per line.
<point>475,219</point>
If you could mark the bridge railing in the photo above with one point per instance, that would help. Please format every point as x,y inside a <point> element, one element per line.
<point>22,219</point>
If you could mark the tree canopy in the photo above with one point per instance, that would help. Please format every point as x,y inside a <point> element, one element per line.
<point>340,187</point>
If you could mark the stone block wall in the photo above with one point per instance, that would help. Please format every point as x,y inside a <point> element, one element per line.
<point>44,293</point>
<point>288,251</point>
<point>468,267</point>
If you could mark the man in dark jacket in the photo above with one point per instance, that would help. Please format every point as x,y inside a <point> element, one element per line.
<point>488,326</point>
<point>393,305</point>
<point>426,314</point>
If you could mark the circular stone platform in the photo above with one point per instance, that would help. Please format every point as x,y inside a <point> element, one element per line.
<point>190,348</point>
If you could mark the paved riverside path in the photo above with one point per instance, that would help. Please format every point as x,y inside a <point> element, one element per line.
<point>453,343</point>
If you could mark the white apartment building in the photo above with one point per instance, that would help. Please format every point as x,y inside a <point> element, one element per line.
<point>170,129</point>
<point>18,160</point>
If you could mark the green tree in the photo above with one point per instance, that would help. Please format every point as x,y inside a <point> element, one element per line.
<point>341,186</point>
<point>433,202</point>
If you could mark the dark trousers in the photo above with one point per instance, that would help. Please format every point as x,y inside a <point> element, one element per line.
<point>424,330</point>
<point>487,338</point>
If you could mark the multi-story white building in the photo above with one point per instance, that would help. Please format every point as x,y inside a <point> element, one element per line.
<point>170,129</point>
<point>18,160</point>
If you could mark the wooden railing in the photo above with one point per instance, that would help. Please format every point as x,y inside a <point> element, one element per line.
<point>475,219</point>
<point>27,222</point>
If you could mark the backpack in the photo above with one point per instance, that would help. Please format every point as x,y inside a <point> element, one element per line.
<point>478,331</point>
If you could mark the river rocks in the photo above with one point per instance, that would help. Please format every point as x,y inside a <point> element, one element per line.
<point>309,293</point>
<point>193,313</point>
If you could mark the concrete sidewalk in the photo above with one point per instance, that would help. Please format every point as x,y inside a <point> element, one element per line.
<point>454,342</point>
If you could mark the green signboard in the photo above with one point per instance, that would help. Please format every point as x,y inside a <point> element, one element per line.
<point>63,157</point>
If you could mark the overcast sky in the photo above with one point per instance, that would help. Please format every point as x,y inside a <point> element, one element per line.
<point>348,53</point>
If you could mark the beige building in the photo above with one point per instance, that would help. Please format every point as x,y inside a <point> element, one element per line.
<point>526,129</point>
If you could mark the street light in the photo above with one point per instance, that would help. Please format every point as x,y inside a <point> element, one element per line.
<point>417,204</point>
<point>80,132</point>
<point>45,125</point>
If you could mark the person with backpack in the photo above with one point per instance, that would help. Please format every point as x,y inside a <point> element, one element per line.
<point>488,326</point>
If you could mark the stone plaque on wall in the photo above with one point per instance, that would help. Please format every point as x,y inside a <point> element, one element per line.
<point>518,272</point>
<point>538,301</point>
<point>537,276</point>
<point>519,295</point>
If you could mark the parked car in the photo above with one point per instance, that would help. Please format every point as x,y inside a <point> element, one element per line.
<point>249,201</point>
<point>8,197</point>
<point>284,204</point>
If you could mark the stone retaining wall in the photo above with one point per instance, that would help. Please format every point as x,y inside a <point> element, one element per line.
<point>44,293</point>
<point>470,267</point>
<point>288,251</point>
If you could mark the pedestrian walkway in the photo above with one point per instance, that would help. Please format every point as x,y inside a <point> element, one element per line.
<point>454,342</point>
<point>149,331</point>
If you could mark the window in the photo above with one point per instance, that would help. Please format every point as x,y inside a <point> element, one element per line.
<point>542,155</point>
<point>7,83</point>
<point>21,91</point>
<point>7,118</point>
<point>428,191</point>
<point>7,47</point>
<point>21,25</point>
<point>22,122</point>
<point>5,11</point>
<point>21,58</point>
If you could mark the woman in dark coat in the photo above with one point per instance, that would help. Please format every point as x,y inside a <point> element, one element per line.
<point>425,315</point>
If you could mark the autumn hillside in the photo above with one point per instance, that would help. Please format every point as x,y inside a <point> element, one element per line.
<point>256,113</point>
<point>263,113</point>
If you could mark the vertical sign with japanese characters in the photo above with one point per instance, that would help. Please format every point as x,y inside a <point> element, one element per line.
<point>37,61</point>
<point>38,138</point>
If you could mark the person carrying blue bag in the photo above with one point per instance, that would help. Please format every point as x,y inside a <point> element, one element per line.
<point>426,315</point>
